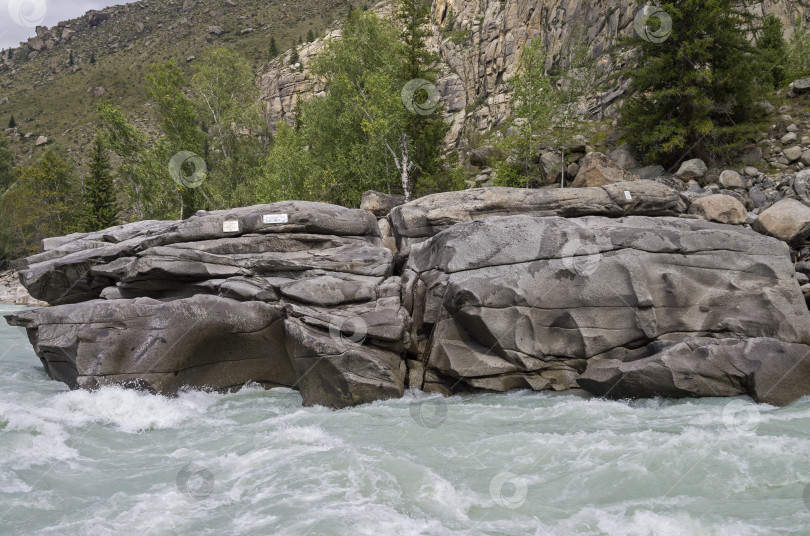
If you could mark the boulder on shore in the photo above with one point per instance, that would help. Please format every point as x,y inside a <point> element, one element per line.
<point>787,220</point>
<point>597,169</point>
<point>720,208</point>
<point>380,204</point>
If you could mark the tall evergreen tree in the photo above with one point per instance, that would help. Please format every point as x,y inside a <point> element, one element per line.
<point>772,50</point>
<point>425,131</point>
<point>100,209</point>
<point>310,36</point>
<point>12,122</point>
<point>273,48</point>
<point>294,58</point>
<point>694,84</point>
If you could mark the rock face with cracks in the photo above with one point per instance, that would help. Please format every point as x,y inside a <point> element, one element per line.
<point>588,288</point>
<point>293,294</point>
<point>551,303</point>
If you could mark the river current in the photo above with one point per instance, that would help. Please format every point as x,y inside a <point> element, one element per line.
<point>118,462</point>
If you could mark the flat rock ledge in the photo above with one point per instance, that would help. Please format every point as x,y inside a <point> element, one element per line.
<point>495,289</point>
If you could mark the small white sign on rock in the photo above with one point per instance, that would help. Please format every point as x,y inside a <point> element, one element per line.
<point>275,218</point>
<point>628,196</point>
<point>230,226</point>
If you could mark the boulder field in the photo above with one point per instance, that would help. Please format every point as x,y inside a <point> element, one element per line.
<point>612,289</point>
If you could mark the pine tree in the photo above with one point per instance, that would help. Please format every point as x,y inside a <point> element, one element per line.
<point>425,132</point>
<point>772,50</point>
<point>273,48</point>
<point>694,83</point>
<point>71,60</point>
<point>12,123</point>
<point>294,58</point>
<point>310,36</point>
<point>100,210</point>
<point>300,40</point>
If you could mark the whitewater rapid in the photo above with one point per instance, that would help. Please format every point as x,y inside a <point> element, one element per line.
<point>119,462</point>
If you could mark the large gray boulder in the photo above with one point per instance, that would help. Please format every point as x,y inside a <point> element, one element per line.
<point>596,169</point>
<point>422,218</point>
<point>531,302</point>
<point>380,204</point>
<point>203,341</point>
<point>720,208</point>
<point>787,220</point>
<point>768,370</point>
<point>263,294</point>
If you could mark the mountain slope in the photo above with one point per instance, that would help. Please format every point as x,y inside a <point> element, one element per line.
<point>47,96</point>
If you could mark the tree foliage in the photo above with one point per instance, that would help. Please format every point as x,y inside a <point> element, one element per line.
<point>214,115</point>
<point>42,203</point>
<point>360,136</point>
<point>693,92</point>
<point>772,52</point>
<point>100,208</point>
<point>798,63</point>
<point>8,173</point>
<point>547,97</point>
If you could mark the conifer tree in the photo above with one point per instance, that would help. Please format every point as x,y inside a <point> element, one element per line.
<point>772,50</point>
<point>12,123</point>
<point>425,131</point>
<point>310,36</point>
<point>273,48</point>
<point>100,210</point>
<point>694,81</point>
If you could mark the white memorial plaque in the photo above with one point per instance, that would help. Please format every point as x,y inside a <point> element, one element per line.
<point>628,196</point>
<point>231,226</point>
<point>275,218</point>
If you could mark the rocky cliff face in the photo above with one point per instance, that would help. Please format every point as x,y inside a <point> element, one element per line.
<point>482,51</point>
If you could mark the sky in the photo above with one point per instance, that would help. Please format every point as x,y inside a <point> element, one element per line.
<point>18,18</point>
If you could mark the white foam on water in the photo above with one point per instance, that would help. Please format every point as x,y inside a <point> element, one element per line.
<point>111,462</point>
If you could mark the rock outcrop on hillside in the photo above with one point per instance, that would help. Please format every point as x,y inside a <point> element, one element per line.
<point>488,289</point>
<point>481,51</point>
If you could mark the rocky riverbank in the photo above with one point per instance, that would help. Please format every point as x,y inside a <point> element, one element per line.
<point>12,292</point>
<point>628,289</point>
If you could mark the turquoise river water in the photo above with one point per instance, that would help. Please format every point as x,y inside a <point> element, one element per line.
<point>118,462</point>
